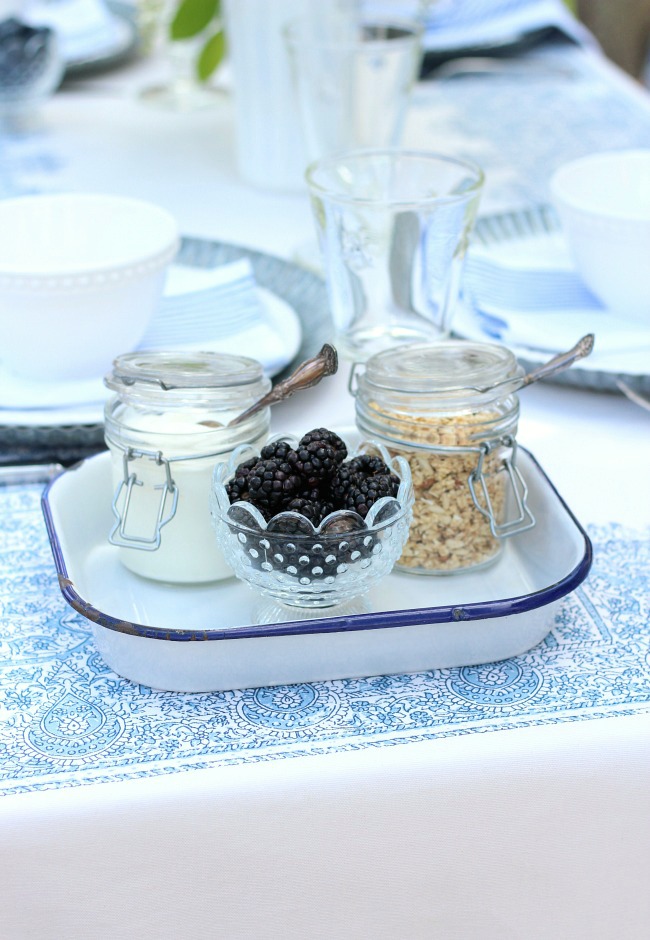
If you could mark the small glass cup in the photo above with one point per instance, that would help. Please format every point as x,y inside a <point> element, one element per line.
<point>352,89</point>
<point>393,228</point>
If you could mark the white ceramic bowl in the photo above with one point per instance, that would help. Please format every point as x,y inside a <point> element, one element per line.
<point>80,278</point>
<point>603,202</point>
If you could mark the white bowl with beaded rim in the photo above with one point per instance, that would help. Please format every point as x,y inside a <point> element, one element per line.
<point>603,202</point>
<point>81,275</point>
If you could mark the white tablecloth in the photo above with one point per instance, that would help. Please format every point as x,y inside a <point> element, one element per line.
<point>540,830</point>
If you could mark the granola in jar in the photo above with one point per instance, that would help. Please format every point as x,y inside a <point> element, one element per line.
<point>434,405</point>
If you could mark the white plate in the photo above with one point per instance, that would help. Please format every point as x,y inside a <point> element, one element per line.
<point>600,374</point>
<point>415,623</point>
<point>629,361</point>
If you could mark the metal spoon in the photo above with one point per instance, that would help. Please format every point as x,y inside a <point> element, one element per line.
<point>557,364</point>
<point>633,395</point>
<point>308,373</point>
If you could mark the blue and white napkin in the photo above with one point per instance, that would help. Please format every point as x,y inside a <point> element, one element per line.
<point>223,309</point>
<point>526,293</point>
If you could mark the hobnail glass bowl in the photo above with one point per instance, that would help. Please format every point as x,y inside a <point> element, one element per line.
<point>305,567</point>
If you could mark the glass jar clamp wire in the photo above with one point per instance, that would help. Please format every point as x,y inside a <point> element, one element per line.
<point>166,427</point>
<point>435,404</point>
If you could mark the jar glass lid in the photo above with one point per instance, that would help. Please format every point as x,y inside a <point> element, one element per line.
<point>441,368</point>
<point>170,369</point>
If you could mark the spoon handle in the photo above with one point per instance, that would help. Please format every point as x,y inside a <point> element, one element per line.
<point>308,373</point>
<point>562,361</point>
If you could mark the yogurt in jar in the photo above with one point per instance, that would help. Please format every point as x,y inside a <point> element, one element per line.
<point>166,429</point>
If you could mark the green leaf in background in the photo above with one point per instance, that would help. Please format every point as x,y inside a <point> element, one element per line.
<point>191,18</point>
<point>211,55</point>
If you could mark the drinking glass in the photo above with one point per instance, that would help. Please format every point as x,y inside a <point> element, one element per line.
<point>181,90</point>
<point>393,228</point>
<point>352,89</point>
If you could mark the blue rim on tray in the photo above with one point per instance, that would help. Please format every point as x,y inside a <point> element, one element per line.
<point>482,610</point>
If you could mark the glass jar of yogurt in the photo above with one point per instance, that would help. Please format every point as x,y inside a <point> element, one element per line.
<point>166,427</point>
<point>451,410</point>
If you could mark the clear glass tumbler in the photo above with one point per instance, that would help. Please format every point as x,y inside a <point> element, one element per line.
<point>352,89</point>
<point>393,228</point>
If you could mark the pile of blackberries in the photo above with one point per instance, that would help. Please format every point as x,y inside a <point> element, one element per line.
<point>312,478</point>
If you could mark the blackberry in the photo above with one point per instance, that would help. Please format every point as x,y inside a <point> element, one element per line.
<point>316,494</point>
<point>363,494</point>
<point>278,450</point>
<point>237,488</point>
<point>368,465</point>
<point>242,517</point>
<point>310,509</point>
<point>327,437</point>
<point>315,463</point>
<point>341,526</point>
<point>286,525</point>
<point>359,544</point>
<point>361,481</point>
<point>341,482</point>
<point>272,483</point>
<point>313,512</point>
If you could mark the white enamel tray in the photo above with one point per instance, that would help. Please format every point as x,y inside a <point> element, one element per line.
<point>196,639</point>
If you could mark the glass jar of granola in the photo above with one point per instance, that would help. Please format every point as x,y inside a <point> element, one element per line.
<point>451,410</point>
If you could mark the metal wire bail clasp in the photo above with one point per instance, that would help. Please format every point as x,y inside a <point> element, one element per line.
<point>523,517</point>
<point>169,493</point>
<point>353,379</point>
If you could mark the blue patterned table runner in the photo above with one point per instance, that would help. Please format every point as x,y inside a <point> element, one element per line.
<point>67,720</point>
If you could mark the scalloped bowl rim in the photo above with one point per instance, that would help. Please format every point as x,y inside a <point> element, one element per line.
<point>402,507</point>
<point>403,501</point>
